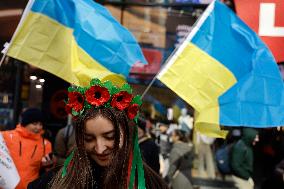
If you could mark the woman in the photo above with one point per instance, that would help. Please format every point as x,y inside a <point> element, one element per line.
<point>181,158</point>
<point>107,153</point>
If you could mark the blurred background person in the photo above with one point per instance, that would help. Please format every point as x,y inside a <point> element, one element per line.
<point>185,122</point>
<point>64,142</point>
<point>206,165</point>
<point>165,148</point>
<point>28,149</point>
<point>242,159</point>
<point>149,149</point>
<point>181,161</point>
<point>276,180</point>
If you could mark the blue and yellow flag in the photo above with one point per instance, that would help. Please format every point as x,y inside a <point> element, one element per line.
<point>227,74</point>
<point>76,40</point>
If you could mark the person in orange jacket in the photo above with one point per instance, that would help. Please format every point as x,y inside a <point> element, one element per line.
<point>28,149</point>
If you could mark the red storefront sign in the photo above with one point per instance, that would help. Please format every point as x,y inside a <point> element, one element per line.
<point>266,18</point>
<point>154,58</point>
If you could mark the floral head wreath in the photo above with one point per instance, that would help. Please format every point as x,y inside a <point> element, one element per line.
<point>98,94</point>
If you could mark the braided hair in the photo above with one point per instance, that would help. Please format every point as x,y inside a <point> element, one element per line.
<point>81,173</point>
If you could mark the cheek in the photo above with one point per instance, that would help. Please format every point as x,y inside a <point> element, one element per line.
<point>109,144</point>
<point>89,146</point>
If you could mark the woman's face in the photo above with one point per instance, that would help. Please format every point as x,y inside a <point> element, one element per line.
<point>99,140</point>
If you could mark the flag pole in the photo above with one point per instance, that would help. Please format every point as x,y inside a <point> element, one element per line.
<point>24,15</point>
<point>169,60</point>
<point>154,79</point>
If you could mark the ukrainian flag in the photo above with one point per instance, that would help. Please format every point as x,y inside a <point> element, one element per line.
<point>76,40</point>
<point>227,74</point>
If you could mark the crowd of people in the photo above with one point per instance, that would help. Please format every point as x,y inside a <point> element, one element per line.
<point>97,149</point>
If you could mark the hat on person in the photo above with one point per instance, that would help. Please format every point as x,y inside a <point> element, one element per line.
<point>31,115</point>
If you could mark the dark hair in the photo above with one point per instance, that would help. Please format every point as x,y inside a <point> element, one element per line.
<point>181,134</point>
<point>31,115</point>
<point>80,174</point>
<point>142,123</point>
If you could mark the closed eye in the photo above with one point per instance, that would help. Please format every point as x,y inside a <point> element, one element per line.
<point>109,135</point>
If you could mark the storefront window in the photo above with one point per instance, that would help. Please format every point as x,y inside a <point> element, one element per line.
<point>158,28</point>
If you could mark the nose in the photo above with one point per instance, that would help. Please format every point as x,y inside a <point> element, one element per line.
<point>100,146</point>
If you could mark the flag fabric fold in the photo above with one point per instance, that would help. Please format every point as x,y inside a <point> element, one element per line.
<point>227,74</point>
<point>75,40</point>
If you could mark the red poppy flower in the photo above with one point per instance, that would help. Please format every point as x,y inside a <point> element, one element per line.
<point>76,101</point>
<point>97,95</point>
<point>132,111</point>
<point>121,100</point>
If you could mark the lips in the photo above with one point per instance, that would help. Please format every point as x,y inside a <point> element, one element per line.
<point>103,157</point>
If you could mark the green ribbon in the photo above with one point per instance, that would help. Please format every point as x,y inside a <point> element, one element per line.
<point>133,168</point>
<point>66,163</point>
<point>137,164</point>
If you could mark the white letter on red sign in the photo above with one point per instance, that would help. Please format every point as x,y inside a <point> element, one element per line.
<point>267,21</point>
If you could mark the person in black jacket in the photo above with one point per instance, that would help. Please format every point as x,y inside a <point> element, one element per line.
<point>149,149</point>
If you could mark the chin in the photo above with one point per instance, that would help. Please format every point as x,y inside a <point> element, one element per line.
<point>102,163</point>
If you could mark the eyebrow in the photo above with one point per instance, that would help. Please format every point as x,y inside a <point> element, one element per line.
<point>109,132</point>
<point>105,133</point>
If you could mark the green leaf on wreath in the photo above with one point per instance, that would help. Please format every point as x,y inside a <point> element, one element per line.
<point>81,90</point>
<point>114,90</point>
<point>107,105</point>
<point>87,105</point>
<point>71,89</point>
<point>85,89</point>
<point>137,100</point>
<point>74,113</point>
<point>108,85</point>
<point>95,81</point>
<point>126,87</point>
